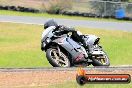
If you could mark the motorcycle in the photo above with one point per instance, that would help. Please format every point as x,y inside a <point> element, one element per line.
<point>63,51</point>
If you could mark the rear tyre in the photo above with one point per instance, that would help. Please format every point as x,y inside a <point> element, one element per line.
<point>55,60</point>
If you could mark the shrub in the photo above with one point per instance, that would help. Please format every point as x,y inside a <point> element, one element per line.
<point>56,6</point>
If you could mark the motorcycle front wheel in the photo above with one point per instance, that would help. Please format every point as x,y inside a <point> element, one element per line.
<point>57,60</point>
<point>101,61</point>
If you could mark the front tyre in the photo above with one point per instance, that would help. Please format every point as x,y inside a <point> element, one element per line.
<point>101,60</point>
<point>55,60</point>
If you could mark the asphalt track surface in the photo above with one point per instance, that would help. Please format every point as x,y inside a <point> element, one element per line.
<point>124,26</point>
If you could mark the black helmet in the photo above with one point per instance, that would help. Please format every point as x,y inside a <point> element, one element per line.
<point>50,23</point>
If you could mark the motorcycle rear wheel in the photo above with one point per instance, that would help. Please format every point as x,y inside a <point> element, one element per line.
<point>55,60</point>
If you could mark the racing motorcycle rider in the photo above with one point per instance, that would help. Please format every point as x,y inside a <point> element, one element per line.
<point>60,29</point>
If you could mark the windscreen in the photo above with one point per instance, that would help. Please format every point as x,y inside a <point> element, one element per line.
<point>47,31</point>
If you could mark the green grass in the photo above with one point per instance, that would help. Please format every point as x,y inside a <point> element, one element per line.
<point>15,13</point>
<point>73,84</point>
<point>20,45</point>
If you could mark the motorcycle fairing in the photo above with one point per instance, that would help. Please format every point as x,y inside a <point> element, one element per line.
<point>71,46</point>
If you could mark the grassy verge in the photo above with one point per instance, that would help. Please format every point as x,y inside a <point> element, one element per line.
<point>15,13</point>
<point>20,45</point>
